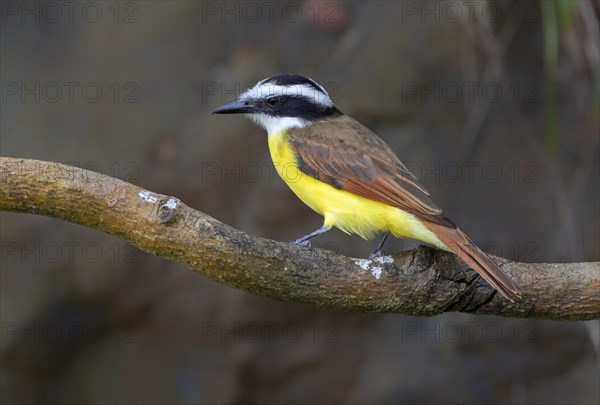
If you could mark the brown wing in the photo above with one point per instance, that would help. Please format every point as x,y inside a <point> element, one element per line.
<point>344,154</point>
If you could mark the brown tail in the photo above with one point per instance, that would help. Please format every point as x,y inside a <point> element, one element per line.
<point>463,247</point>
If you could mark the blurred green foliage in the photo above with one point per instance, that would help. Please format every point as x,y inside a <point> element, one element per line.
<point>557,16</point>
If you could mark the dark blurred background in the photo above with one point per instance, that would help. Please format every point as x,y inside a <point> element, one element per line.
<point>494,105</point>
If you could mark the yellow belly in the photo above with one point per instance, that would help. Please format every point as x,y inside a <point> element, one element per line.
<point>346,211</point>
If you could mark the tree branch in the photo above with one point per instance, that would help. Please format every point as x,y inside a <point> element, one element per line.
<point>421,282</point>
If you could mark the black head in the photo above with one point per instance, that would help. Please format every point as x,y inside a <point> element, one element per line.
<point>283,97</point>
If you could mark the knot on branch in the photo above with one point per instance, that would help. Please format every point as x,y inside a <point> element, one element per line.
<point>167,210</point>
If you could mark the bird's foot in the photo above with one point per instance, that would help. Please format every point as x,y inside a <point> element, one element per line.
<point>376,253</point>
<point>299,242</point>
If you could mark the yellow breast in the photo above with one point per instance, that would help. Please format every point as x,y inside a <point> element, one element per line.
<point>346,211</point>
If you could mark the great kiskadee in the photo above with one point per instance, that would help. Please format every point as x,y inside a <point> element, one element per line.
<point>347,174</point>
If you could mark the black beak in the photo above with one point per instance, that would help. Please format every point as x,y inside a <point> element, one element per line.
<point>235,107</point>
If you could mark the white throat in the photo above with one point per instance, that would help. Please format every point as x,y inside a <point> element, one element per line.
<point>275,125</point>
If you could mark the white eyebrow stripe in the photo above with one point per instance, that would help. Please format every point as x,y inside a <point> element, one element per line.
<point>265,90</point>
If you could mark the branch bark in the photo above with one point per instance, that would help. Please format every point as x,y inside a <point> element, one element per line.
<point>422,282</point>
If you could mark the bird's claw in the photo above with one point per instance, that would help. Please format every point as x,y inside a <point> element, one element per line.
<point>300,242</point>
<point>376,253</point>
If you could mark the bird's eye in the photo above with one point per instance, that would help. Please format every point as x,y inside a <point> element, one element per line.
<point>272,102</point>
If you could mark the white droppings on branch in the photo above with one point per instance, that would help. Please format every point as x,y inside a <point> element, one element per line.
<point>375,265</point>
<point>148,197</point>
<point>172,203</point>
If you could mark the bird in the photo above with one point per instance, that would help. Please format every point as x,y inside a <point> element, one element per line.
<point>350,176</point>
